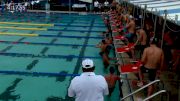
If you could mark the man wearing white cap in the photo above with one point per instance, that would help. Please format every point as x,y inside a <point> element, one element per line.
<point>88,86</point>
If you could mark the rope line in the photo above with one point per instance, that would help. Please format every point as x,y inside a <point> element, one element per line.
<point>26,73</point>
<point>46,56</point>
<point>51,44</point>
<point>47,35</point>
<point>49,29</point>
<point>50,25</point>
<point>172,29</point>
<point>65,36</point>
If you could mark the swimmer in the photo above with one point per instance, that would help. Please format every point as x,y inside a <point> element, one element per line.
<point>152,60</point>
<point>104,52</point>
<point>111,80</point>
<point>103,45</point>
<point>131,29</point>
<point>141,42</point>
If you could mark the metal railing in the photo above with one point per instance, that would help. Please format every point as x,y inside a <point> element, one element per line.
<point>155,81</point>
<point>157,93</point>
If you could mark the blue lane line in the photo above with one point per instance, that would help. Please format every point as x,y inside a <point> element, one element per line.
<point>49,44</point>
<point>47,56</point>
<point>50,29</point>
<point>78,25</point>
<point>66,36</point>
<point>25,73</point>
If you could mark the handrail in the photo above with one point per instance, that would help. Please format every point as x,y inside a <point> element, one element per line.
<point>155,81</point>
<point>155,94</point>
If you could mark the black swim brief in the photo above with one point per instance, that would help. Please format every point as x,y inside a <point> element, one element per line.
<point>140,47</point>
<point>151,72</point>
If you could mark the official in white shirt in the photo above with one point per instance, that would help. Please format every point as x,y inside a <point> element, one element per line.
<point>96,6</point>
<point>88,86</point>
<point>106,3</point>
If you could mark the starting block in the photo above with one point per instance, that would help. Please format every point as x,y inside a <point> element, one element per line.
<point>125,48</point>
<point>130,68</point>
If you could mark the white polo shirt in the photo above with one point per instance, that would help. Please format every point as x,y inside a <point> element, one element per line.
<point>106,3</point>
<point>88,87</point>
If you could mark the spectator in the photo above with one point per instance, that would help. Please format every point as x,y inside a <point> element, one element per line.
<point>88,86</point>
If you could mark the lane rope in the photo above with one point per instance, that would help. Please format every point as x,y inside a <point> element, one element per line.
<point>26,73</point>
<point>18,34</point>
<point>47,56</point>
<point>37,43</point>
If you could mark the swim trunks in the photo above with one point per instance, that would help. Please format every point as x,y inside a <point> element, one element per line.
<point>151,73</point>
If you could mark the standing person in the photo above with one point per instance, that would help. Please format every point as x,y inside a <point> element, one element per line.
<point>111,80</point>
<point>96,6</point>
<point>131,29</point>
<point>26,6</point>
<point>152,60</point>
<point>12,8</point>
<point>141,40</point>
<point>106,6</point>
<point>88,86</point>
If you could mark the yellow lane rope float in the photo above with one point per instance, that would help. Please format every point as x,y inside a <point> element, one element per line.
<point>23,28</point>
<point>30,24</point>
<point>18,34</point>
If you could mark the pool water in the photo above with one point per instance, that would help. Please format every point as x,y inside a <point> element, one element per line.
<point>60,43</point>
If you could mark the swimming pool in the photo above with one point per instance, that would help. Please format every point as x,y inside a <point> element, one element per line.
<point>40,53</point>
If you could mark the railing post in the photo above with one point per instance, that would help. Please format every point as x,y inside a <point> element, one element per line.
<point>155,22</point>
<point>163,30</point>
<point>176,18</point>
<point>134,8</point>
<point>144,15</point>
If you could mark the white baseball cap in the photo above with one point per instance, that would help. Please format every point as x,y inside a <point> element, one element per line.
<point>87,63</point>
